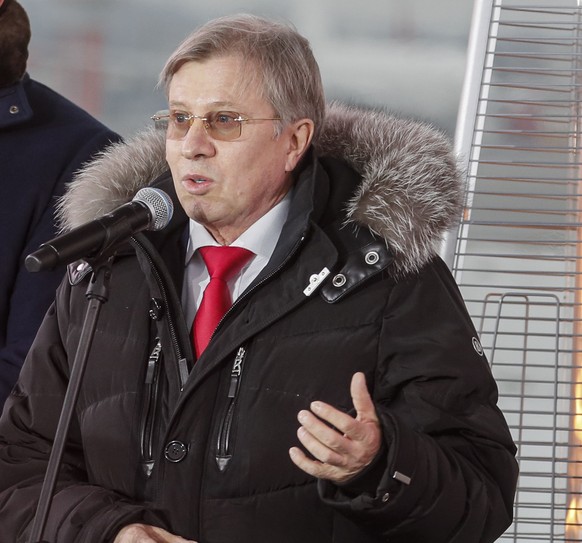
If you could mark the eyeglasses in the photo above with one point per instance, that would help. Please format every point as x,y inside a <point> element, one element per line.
<point>220,125</point>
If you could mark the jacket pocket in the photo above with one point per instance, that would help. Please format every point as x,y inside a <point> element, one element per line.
<point>225,439</point>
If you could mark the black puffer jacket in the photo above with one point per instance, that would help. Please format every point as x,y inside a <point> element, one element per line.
<point>203,451</point>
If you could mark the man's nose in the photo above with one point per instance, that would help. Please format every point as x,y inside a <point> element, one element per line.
<point>197,141</point>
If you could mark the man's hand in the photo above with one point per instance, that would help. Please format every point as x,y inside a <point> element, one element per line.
<point>142,533</point>
<point>343,451</point>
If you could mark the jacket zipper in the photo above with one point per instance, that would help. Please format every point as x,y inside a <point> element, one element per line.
<point>150,408</point>
<point>224,443</point>
<point>182,364</point>
<point>149,418</point>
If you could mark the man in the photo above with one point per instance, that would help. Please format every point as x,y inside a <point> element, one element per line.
<point>343,397</point>
<point>44,139</point>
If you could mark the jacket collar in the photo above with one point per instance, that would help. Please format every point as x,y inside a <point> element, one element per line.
<point>408,191</point>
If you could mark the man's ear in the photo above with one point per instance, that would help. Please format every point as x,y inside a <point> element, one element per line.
<point>301,134</point>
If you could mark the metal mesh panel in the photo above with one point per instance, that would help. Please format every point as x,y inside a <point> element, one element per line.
<point>516,255</point>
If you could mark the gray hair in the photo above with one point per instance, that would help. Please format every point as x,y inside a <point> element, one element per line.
<point>283,60</point>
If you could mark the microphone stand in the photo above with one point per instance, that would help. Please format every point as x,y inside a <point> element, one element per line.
<point>97,294</point>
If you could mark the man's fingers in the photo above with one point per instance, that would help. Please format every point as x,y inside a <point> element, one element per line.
<point>361,398</point>
<point>346,424</point>
<point>301,461</point>
<point>314,468</point>
<point>328,451</point>
<point>340,444</point>
<point>321,431</point>
<point>339,420</point>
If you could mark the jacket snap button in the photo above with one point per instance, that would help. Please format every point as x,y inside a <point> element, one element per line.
<point>385,497</point>
<point>14,110</point>
<point>175,451</point>
<point>339,280</point>
<point>372,258</point>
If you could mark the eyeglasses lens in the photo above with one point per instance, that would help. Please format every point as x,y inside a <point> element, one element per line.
<point>220,125</point>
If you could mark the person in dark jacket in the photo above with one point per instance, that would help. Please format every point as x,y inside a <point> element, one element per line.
<point>344,397</point>
<point>44,139</point>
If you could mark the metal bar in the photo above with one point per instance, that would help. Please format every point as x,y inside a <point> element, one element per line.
<point>469,104</point>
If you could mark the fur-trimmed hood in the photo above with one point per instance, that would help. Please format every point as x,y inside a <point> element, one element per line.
<point>410,195</point>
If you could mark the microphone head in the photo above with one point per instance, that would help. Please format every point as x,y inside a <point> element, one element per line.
<point>159,204</point>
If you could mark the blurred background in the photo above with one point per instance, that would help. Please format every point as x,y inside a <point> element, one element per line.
<point>105,55</point>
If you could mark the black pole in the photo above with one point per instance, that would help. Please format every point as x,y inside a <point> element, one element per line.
<point>98,294</point>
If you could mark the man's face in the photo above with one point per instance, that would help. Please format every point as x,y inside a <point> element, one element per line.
<point>227,185</point>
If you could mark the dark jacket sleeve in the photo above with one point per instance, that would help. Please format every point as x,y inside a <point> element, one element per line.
<point>448,471</point>
<point>79,511</point>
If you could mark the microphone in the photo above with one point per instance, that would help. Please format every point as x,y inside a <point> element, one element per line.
<point>150,209</point>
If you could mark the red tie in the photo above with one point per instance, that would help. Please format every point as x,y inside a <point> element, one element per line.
<point>223,263</point>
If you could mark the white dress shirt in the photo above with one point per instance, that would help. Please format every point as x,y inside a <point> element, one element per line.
<point>260,238</point>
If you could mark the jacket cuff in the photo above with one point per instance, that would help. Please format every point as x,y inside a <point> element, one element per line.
<point>368,479</point>
<point>388,483</point>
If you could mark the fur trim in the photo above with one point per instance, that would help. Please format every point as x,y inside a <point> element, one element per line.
<point>113,178</point>
<point>410,195</point>
<point>411,191</point>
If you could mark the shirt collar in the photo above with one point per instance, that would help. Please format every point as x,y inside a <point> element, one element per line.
<point>260,238</point>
